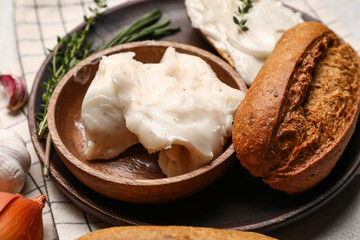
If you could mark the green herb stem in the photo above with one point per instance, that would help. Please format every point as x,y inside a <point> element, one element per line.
<point>165,31</point>
<point>240,20</point>
<point>146,32</point>
<point>143,21</point>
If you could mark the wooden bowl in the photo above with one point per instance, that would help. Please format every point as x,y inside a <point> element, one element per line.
<point>133,176</point>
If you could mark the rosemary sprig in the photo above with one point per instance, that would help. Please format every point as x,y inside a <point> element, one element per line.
<point>143,28</point>
<point>241,21</point>
<point>73,48</point>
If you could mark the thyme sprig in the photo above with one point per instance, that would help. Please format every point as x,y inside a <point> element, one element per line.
<point>73,48</point>
<point>241,21</point>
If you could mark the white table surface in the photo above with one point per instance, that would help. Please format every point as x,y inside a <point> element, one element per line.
<point>7,35</point>
<point>338,219</point>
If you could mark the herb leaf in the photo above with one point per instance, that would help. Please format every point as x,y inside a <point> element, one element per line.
<point>240,20</point>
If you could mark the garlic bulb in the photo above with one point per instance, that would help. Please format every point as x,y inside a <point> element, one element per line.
<point>15,161</point>
<point>21,218</point>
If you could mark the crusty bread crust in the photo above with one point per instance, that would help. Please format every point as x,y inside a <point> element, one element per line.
<point>171,233</point>
<point>280,131</point>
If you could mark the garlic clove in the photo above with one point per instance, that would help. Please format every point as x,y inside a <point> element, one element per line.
<point>12,176</point>
<point>15,161</point>
<point>21,218</point>
<point>15,90</point>
<point>13,146</point>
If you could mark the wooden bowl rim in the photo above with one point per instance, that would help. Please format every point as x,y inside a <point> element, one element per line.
<point>60,146</point>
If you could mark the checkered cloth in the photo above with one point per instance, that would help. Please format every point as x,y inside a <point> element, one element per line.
<point>37,25</point>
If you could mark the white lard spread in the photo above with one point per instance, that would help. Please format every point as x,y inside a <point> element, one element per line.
<point>267,20</point>
<point>178,107</point>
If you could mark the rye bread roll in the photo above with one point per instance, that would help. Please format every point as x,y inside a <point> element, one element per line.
<point>171,233</point>
<point>299,114</point>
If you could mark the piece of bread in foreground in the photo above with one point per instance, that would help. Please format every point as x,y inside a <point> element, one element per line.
<point>299,114</point>
<point>171,233</point>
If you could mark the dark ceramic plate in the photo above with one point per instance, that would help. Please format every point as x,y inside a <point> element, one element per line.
<point>236,201</point>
